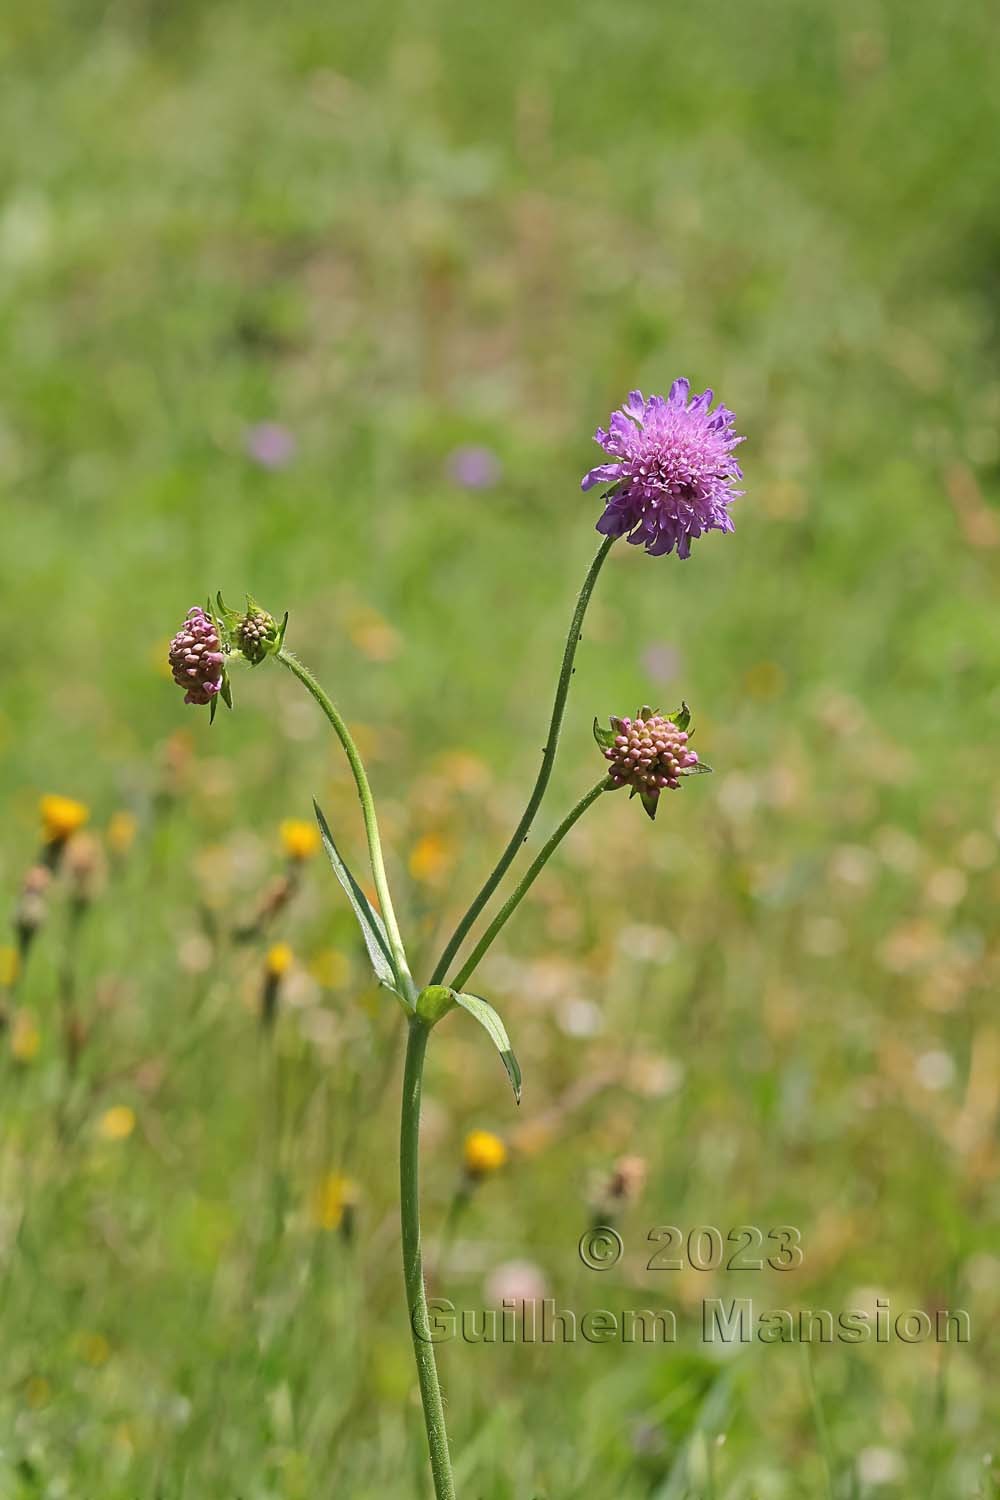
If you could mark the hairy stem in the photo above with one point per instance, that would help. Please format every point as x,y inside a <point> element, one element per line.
<point>413,1272</point>
<point>545,770</point>
<point>516,896</point>
<point>400,966</point>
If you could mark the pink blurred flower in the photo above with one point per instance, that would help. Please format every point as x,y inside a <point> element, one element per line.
<point>270,445</point>
<point>473,467</point>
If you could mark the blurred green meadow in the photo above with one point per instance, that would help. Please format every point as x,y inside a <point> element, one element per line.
<point>397,233</point>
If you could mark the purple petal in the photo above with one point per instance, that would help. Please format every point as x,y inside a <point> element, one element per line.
<point>613,522</point>
<point>603,474</point>
<point>679,392</point>
<point>622,428</point>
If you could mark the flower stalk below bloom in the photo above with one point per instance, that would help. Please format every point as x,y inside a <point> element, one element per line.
<point>520,833</point>
<point>514,900</point>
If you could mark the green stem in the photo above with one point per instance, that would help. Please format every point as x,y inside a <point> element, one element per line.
<point>413,1272</point>
<point>545,771</point>
<point>400,965</point>
<point>527,880</point>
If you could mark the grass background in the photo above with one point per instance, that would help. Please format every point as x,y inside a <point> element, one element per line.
<point>397,230</point>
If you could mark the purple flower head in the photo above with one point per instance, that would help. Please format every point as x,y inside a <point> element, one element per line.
<point>473,467</point>
<point>271,445</point>
<point>649,753</point>
<point>672,471</point>
<point>196,658</point>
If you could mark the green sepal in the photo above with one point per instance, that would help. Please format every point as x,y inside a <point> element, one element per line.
<point>225,693</point>
<point>434,1002</point>
<point>645,712</point>
<point>700,768</point>
<point>281,633</point>
<point>650,802</point>
<point>682,717</point>
<point>604,737</point>
<point>228,618</point>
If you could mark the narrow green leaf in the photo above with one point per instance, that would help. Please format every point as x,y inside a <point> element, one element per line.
<point>372,929</point>
<point>700,768</point>
<point>491,1022</point>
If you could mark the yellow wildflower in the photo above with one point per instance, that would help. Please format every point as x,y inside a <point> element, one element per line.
<point>117,1123</point>
<point>299,839</point>
<point>431,858</point>
<point>121,832</point>
<point>25,1037</point>
<point>484,1153</point>
<point>332,1199</point>
<point>93,1348</point>
<point>10,965</point>
<point>279,960</point>
<point>61,817</point>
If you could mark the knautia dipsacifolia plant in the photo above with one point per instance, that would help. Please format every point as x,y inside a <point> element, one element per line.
<point>670,478</point>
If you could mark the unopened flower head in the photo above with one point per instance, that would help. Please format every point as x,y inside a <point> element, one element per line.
<point>484,1153</point>
<point>61,817</point>
<point>85,866</point>
<point>257,634</point>
<point>649,753</point>
<point>196,657</point>
<point>621,1186</point>
<point>672,471</point>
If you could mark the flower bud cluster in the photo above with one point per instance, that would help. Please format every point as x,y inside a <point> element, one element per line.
<point>256,634</point>
<point>649,754</point>
<point>196,657</point>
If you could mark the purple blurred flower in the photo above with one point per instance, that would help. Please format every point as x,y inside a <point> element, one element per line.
<point>672,473</point>
<point>271,445</point>
<point>196,658</point>
<point>473,467</point>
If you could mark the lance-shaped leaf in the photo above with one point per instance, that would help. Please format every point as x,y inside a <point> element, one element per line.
<point>491,1022</point>
<point>372,928</point>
